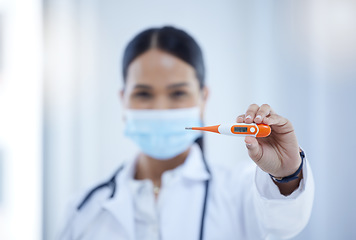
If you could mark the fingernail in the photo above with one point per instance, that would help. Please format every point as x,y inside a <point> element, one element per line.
<point>248,145</point>
<point>248,116</point>
<point>258,117</point>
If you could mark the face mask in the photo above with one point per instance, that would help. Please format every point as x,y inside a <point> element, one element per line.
<point>161,134</point>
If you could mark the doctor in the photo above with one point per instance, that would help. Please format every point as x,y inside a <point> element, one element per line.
<point>170,191</point>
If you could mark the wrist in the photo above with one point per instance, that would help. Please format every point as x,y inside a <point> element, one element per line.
<point>296,175</point>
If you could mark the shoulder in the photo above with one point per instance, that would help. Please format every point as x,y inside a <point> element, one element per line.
<point>96,193</point>
<point>83,206</point>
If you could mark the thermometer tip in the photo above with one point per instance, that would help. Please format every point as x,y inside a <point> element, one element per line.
<point>188,128</point>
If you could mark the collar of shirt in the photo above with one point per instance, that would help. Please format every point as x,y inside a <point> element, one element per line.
<point>193,167</point>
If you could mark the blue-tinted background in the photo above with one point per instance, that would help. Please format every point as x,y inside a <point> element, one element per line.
<point>299,56</point>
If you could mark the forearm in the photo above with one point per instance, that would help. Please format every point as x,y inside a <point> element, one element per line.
<point>282,214</point>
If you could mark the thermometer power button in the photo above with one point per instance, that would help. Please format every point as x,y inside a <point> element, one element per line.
<point>252,129</point>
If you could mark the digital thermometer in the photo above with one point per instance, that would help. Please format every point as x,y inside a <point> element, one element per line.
<point>237,129</point>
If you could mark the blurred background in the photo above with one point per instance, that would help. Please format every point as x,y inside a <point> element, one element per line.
<point>61,119</point>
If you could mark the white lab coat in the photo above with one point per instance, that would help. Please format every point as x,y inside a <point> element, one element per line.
<point>242,204</point>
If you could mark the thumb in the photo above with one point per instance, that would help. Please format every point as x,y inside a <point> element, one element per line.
<point>254,148</point>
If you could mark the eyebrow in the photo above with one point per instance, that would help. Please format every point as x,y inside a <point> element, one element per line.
<point>143,86</point>
<point>175,85</point>
<point>183,84</point>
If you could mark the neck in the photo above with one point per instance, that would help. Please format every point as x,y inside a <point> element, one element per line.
<point>151,168</point>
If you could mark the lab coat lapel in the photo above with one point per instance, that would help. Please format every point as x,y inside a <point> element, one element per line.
<point>86,218</point>
<point>194,167</point>
<point>121,205</point>
<point>184,199</point>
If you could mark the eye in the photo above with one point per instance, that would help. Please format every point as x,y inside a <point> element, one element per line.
<point>178,94</point>
<point>142,94</point>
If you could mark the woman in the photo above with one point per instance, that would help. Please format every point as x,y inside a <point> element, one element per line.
<point>170,191</point>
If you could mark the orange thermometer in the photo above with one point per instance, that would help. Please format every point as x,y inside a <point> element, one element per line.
<point>237,129</point>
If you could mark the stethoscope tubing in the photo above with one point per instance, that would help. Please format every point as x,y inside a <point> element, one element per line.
<point>112,184</point>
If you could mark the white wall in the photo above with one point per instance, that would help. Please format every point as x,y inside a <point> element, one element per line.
<point>298,56</point>
<point>21,120</point>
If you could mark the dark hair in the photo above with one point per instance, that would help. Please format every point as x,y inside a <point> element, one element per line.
<point>171,40</point>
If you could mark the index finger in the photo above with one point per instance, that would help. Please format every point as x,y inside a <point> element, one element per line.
<point>251,113</point>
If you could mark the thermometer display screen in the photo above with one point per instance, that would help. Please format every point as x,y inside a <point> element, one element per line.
<point>240,129</point>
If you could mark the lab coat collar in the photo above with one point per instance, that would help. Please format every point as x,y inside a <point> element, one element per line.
<point>121,205</point>
<point>194,168</point>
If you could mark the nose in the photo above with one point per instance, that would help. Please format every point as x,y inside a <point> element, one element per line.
<point>160,103</point>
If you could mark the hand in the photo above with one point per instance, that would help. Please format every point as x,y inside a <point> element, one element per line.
<point>277,154</point>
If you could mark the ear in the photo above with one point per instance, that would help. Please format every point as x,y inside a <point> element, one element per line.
<point>121,94</point>
<point>204,94</point>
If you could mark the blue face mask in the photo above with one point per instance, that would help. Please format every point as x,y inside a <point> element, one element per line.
<point>161,134</point>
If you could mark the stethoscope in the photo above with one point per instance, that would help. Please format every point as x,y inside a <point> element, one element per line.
<point>113,186</point>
